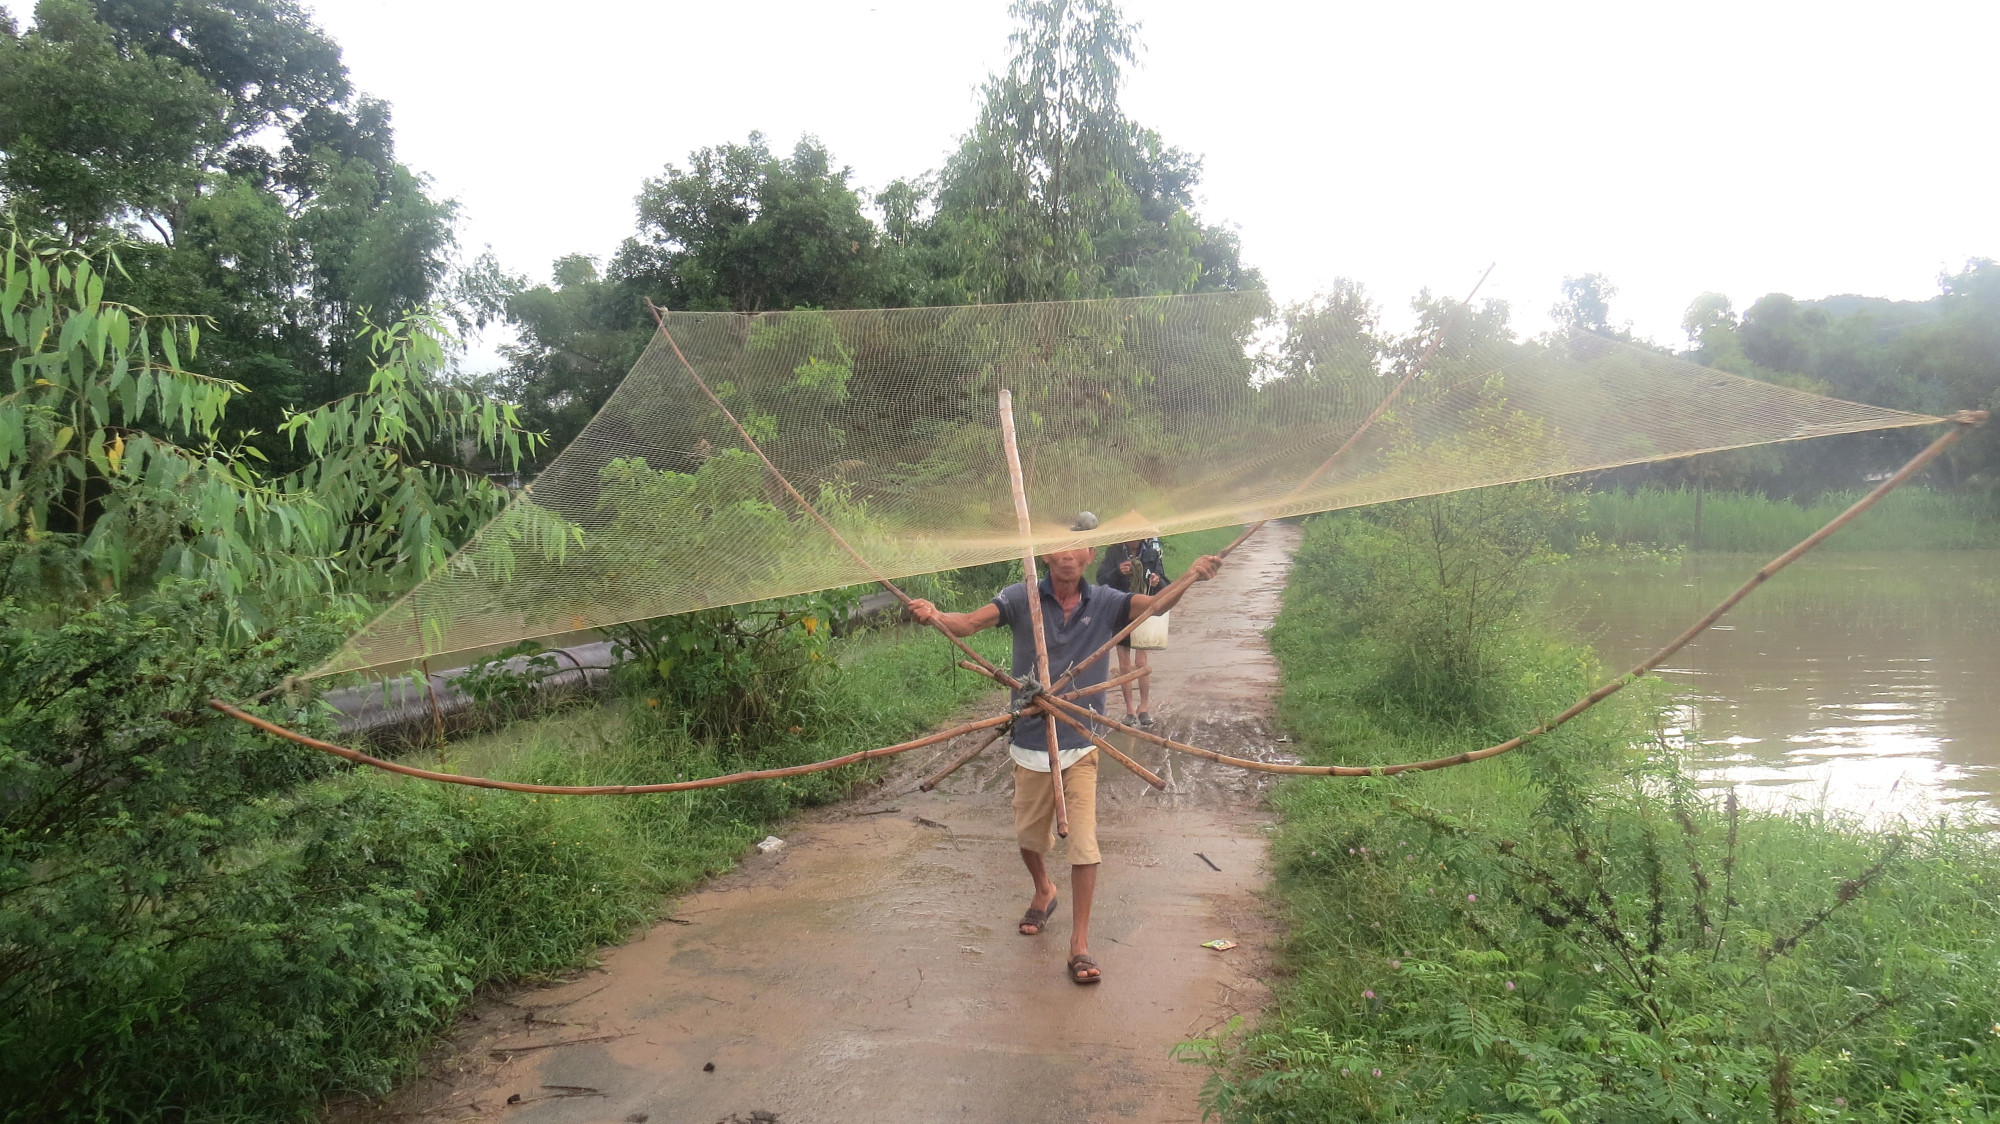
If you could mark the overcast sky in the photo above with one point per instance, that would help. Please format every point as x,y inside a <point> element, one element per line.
<point>1745,147</point>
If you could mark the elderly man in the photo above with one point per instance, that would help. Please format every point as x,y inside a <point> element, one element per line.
<point>1077,619</point>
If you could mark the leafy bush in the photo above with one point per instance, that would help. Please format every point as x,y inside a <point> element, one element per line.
<point>1436,584</point>
<point>739,674</point>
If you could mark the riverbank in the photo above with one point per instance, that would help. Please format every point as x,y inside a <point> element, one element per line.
<point>1575,931</point>
<point>1911,518</point>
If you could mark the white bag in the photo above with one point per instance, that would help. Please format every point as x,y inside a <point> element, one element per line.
<point>1151,635</point>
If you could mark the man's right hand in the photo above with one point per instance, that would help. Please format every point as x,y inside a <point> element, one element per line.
<point>923,611</point>
<point>1125,567</point>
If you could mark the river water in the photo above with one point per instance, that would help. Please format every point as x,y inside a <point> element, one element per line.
<point>1868,683</point>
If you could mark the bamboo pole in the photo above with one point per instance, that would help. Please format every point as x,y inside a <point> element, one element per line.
<point>1117,755</point>
<point>1115,681</point>
<point>1032,585</point>
<point>1381,408</point>
<point>880,578</point>
<point>1962,423</point>
<point>960,761</point>
<point>361,758</point>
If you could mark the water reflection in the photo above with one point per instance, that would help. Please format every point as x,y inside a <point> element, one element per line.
<point>1869,681</point>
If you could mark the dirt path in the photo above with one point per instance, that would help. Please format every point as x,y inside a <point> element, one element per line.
<point>870,971</point>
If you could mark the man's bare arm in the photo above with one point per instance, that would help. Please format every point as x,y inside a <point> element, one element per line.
<point>958,624</point>
<point>1203,569</point>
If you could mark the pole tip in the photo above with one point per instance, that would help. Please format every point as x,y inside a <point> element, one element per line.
<point>1969,417</point>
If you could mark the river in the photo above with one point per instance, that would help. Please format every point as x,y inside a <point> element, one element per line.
<point>1867,683</point>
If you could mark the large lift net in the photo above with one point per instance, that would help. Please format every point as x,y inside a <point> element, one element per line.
<point>1162,415</point>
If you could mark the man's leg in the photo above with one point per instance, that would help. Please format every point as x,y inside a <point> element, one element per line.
<point>1145,685</point>
<point>1035,831</point>
<point>1082,888</point>
<point>1125,665</point>
<point>1080,794</point>
<point>1045,887</point>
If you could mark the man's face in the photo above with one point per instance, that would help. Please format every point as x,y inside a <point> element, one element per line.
<point>1068,565</point>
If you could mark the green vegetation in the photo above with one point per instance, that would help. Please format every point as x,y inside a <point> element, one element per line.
<point>1910,518</point>
<point>1576,931</point>
<point>203,921</point>
<point>233,427</point>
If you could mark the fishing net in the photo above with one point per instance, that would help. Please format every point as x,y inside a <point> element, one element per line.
<point>1162,415</point>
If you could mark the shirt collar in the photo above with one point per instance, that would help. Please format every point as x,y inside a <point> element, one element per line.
<point>1049,589</point>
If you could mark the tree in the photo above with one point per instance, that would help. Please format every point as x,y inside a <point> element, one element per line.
<point>1056,194</point>
<point>574,342</point>
<point>1586,307</point>
<point>115,478</point>
<point>88,133</point>
<point>744,231</point>
<point>223,139</point>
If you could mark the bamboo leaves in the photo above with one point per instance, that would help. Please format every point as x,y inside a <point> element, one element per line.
<point>108,440</point>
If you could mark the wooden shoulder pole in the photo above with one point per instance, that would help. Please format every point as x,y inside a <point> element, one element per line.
<point>1032,582</point>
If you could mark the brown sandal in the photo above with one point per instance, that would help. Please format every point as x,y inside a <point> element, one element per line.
<point>1039,918</point>
<point>1083,960</point>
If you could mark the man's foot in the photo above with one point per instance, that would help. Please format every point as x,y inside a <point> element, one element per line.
<point>1145,719</point>
<point>1130,719</point>
<point>1037,917</point>
<point>1084,970</point>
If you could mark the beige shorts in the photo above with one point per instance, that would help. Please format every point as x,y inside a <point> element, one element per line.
<point>1035,810</point>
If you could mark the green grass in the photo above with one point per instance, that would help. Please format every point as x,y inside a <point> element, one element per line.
<point>1182,550</point>
<point>1907,519</point>
<point>1576,932</point>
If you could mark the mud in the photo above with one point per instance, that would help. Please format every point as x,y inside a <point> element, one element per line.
<point>870,969</point>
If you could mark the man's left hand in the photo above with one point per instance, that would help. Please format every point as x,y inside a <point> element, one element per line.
<point>1206,567</point>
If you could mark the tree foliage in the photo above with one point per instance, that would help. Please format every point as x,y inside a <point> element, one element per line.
<point>115,478</point>
<point>223,140</point>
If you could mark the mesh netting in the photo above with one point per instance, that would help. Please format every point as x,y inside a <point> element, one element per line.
<point>1162,415</point>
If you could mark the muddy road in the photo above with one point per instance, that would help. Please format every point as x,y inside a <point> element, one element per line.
<point>870,970</point>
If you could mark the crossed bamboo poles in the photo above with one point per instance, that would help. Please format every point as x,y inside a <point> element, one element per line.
<point>1055,704</point>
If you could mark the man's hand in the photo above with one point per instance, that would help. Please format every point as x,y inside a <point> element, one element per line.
<point>958,624</point>
<point>1125,567</point>
<point>1206,567</point>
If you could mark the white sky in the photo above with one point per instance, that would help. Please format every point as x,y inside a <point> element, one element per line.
<point>1744,147</point>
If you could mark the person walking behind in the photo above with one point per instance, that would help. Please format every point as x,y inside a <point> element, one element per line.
<point>1077,619</point>
<point>1139,566</point>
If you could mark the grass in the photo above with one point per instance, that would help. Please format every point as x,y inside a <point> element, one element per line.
<point>1907,519</point>
<point>1181,550</point>
<point>1577,932</point>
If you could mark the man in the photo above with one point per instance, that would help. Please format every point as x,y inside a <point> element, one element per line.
<point>1140,566</point>
<point>1077,618</point>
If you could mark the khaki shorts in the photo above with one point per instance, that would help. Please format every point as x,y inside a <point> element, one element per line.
<point>1035,810</point>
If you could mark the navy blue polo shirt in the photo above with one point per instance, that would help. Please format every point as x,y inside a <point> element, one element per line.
<point>1096,619</point>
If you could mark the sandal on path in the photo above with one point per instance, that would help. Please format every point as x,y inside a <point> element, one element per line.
<point>1083,960</point>
<point>1039,918</point>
